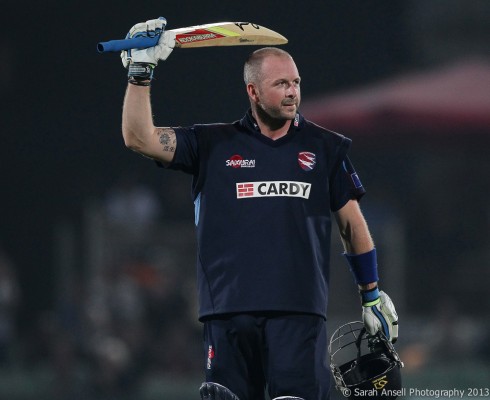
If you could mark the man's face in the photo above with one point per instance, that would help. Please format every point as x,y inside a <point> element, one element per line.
<point>278,92</point>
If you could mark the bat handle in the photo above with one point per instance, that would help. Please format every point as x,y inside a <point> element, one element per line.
<point>142,42</point>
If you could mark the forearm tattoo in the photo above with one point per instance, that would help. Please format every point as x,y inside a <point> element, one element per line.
<point>167,139</point>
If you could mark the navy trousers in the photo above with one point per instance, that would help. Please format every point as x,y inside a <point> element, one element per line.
<point>285,353</point>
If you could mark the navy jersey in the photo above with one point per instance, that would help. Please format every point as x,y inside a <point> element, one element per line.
<point>263,213</point>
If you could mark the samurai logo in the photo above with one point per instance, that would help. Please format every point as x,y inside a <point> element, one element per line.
<point>307,160</point>
<point>237,161</point>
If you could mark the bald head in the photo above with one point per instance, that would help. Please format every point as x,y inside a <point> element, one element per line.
<point>253,65</point>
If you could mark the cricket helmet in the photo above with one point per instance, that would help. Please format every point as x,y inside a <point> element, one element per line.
<point>364,366</point>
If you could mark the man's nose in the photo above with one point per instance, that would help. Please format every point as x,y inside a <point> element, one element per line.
<point>292,91</point>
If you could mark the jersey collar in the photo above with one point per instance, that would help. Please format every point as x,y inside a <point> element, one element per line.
<point>249,122</point>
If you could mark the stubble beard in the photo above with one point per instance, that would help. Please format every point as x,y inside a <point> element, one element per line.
<point>276,116</point>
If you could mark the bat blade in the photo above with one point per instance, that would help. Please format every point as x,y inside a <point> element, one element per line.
<point>227,34</point>
<point>208,35</point>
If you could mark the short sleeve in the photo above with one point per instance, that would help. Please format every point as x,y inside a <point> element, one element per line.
<point>345,185</point>
<point>186,157</point>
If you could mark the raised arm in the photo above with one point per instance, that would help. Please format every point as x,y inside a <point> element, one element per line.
<point>139,132</point>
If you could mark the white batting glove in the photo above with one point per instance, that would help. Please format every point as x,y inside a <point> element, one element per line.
<point>151,55</point>
<point>379,314</point>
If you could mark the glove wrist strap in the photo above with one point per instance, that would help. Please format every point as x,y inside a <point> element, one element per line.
<point>370,297</point>
<point>140,74</point>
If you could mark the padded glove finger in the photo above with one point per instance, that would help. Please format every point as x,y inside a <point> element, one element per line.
<point>150,28</point>
<point>379,314</point>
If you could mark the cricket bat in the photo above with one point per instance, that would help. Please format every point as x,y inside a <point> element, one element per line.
<point>216,34</point>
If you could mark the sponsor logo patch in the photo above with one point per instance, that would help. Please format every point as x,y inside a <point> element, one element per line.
<point>356,180</point>
<point>183,38</point>
<point>306,160</point>
<point>237,161</point>
<point>210,356</point>
<point>273,189</point>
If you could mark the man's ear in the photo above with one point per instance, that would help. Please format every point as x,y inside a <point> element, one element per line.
<point>252,92</point>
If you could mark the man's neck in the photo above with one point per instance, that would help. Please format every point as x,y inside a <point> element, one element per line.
<point>272,128</point>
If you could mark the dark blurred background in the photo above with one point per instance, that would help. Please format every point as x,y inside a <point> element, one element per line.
<point>97,291</point>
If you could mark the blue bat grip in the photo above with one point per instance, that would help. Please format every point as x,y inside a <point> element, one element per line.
<point>142,42</point>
